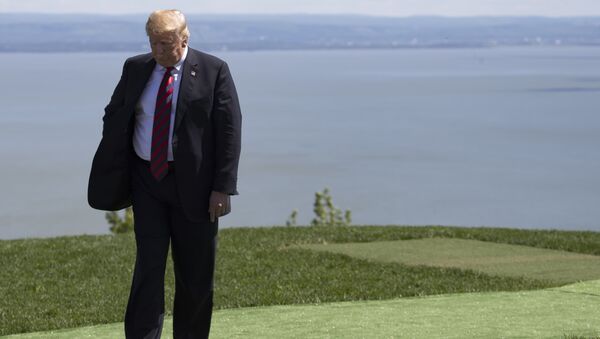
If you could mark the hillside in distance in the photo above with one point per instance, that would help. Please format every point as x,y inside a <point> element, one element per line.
<point>98,33</point>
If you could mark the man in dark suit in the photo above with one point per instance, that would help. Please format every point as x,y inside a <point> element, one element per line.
<point>170,147</point>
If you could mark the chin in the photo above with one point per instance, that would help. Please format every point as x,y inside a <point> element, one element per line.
<point>164,62</point>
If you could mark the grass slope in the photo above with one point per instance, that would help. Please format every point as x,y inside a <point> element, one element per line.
<point>77,281</point>
<point>550,313</point>
<point>491,258</point>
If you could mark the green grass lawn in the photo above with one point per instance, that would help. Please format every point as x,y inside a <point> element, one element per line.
<point>550,313</point>
<point>491,258</point>
<point>80,281</point>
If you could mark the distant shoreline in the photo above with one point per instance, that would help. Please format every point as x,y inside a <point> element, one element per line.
<point>97,33</point>
<point>357,48</point>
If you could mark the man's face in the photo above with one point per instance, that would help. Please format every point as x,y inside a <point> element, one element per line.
<point>167,48</point>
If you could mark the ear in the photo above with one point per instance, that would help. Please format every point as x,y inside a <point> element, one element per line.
<point>184,42</point>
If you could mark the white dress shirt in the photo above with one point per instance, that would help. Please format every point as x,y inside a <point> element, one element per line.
<point>144,110</point>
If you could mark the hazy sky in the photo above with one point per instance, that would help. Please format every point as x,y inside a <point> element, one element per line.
<point>367,7</point>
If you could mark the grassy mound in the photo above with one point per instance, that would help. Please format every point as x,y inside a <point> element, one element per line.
<point>78,281</point>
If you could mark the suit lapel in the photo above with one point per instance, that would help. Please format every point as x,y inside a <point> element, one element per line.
<point>189,79</point>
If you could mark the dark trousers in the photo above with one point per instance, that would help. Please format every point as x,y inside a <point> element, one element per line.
<point>159,220</point>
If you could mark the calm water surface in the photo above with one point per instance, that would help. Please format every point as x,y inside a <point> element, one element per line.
<point>495,137</point>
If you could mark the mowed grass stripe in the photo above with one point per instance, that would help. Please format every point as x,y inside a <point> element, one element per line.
<point>549,313</point>
<point>490,258</point>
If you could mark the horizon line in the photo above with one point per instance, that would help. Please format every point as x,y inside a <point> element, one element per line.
<point>317,14</point>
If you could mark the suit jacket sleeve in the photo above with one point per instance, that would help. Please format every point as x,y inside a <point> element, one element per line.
<point>109,182</point>
<point>117,100</point>
<point>227,125</point>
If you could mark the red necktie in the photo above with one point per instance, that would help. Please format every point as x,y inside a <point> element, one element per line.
<point>159,165</point>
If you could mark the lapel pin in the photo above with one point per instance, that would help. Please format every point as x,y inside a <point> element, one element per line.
<point>193,73</point>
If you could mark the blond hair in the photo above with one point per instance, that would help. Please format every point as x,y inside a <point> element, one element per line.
<point>167,21</point>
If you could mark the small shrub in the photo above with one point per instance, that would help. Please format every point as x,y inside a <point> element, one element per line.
<point>120,225</point>
<point>326,214</point>
<point>292,218</point>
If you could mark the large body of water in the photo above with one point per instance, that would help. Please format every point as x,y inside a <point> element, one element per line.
<point>475,137</point>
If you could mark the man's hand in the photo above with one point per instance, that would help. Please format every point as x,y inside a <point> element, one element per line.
<point>218,205</point>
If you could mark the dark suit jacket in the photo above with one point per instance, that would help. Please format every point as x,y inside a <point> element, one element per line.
<point>206,136</point>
